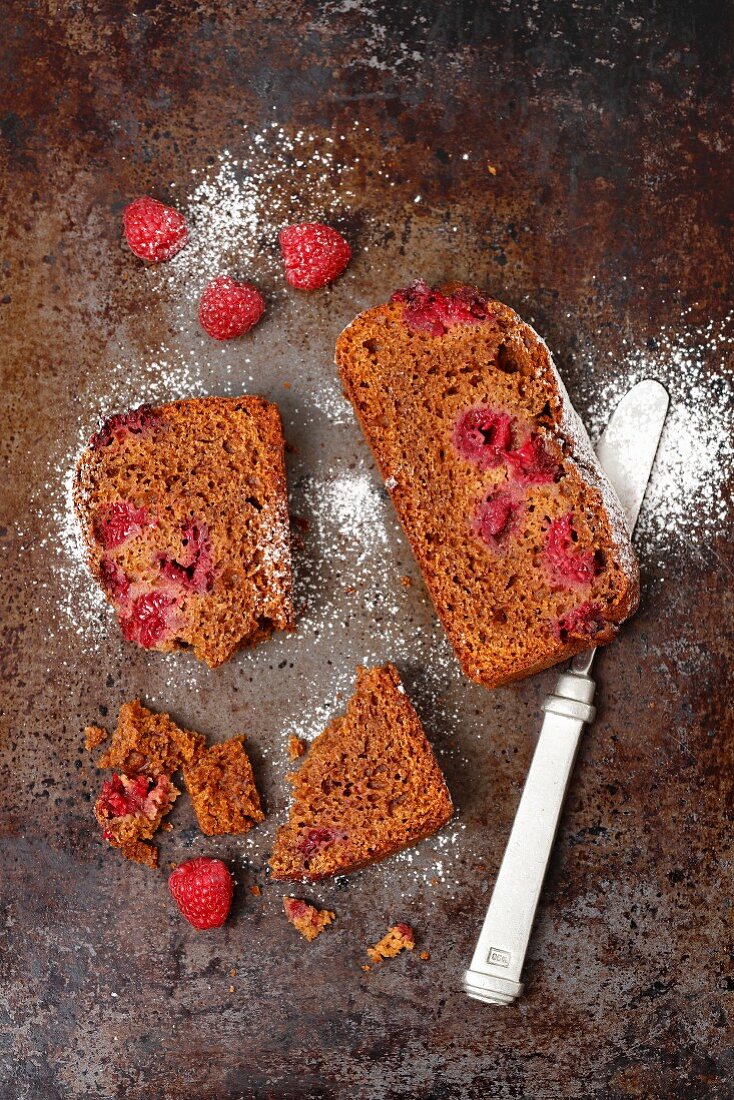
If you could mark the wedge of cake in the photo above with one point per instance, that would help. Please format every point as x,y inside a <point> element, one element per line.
<point>520,538</point>
<point>369,786</point>
<point>184,514</point>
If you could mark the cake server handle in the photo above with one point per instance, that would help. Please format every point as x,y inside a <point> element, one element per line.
<point>496,968</point>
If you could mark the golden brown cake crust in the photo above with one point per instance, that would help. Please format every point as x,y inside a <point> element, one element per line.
<point>369,787</point>
<point>183,510</point>
<point>480,509</point>
<point>221,786</point>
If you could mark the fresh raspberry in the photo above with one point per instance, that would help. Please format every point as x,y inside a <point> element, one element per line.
<point>155,232</point>
<point>202,889</point>
<point>585,621</point>
<point>318,839</point>
<point>148,622</point>
<point>496,517</point>
<point>314,254</point>
<point>483,436</point>
<point>228,309</point>
<point>533,464</point>
<point>115,428</point>
<point>114,581</point>
<point>428,309</point>
<point>195,572</point>
<point>116,523</point>
<point>567,563</point>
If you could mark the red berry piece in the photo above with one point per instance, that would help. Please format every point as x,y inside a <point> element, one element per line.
<point>427,309</point>
<point>114,581</point>
<point>567,563</point>
<point>532,463</point>
<point>116,523</point>
<point>496,517</point>
<point>585,622</point>
<point>229,309</point>
<point>149,620</point>
<point>195,570</point>
<point>202,889</point>
<point>314,254</point>
<point>115,428</point>
<point>155,232</point>
<point>483,436</point>
<point>318,839</point>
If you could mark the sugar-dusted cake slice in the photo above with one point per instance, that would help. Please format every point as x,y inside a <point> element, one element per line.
<point>307,919</point>
<point>184,514</point>
<point>369,786</point>
<point>520,538</point>
<point>130,809</point>
<point>221,786</point>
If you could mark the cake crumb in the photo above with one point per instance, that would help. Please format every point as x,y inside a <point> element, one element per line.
<point>231,989</point>
<point>305,918</point>
<point>296,747</point>
<point>425,955</point>
<point>221,786</point>
<point>366,967</point>
<point>255,890</point>
<point>233,973</point>
<point>399,937</point>
<point>93,737</point>
<point>406,581</point>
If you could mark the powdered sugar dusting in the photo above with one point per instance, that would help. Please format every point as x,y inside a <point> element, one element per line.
<point>689,494</point>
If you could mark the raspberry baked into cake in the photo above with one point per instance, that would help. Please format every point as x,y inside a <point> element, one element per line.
<point>184,514</point>
<point>369,786</point>
<point>520,538</point>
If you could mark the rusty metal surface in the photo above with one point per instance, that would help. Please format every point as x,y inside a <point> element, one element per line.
<point>608,218</point>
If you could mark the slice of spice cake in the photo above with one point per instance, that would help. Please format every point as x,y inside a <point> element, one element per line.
<point>184,514</point>
<point>221,786</point>
<point>369,786</point>
<point>520,538</point>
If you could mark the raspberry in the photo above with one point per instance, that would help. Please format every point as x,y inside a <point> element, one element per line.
<point>195,572</point>
<point>532,463</point>
<point>228,309</point>
<point>314,254</point>
<point>495,518</point>
<point>115,428</point>
<point>568,564</point>
<point>295,908</point>
<point>428,309</point>
<point>148,622</point>
<point>585,621</point>
<point>202,889</point>
<point>483,436</point>
<point>116,523</point>
<point>114,581</point>
<point>316,840</point>
<point>154,232</point>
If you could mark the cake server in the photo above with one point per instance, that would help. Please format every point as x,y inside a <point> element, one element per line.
<point>626,451</point>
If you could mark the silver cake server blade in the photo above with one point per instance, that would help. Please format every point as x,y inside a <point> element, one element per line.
<point>627,452</point>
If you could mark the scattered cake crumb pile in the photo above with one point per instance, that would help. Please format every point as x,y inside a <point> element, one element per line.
<point>398,938</point>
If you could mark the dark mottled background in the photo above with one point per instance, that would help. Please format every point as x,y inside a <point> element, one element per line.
<point>608,220</point>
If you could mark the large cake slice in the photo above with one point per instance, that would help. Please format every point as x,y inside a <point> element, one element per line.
<point>184,514</point>
<point>369,786</point>
<point>520,538</point>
